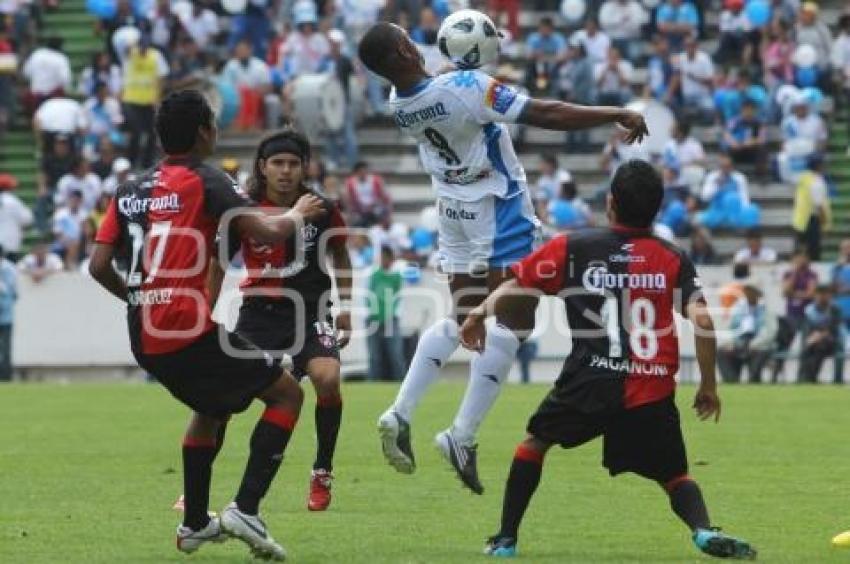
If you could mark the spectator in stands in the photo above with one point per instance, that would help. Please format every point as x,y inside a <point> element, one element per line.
<point>567,211</point>
<point>250,75</point>
<point>68,224</point>
<point>103,116</point>
<point>623,21</point>
<point>575,84</point>
<point>367,199</point>
<point>41,262</point>
<point>357,17</point>
<point>702,251</point>
<point>776,54</point>
<point>425,37</point>
<point>660,71</point>
<point>120,174</point>
<point>386,352</point>
<point>546,49</point>
<point>106,155</point>
<point>56,161</point>
<point>616,152</point>
<point>144,72</point>
<point>188,66</point>
<point>8,297</point>
<point>101,71</point>
<point>511,9</point>
<point>811,30</point>
<point>674,206</point>
<point>306,48</point>
<point>676,20</point>
<point>693,80</point>
<point>752,337</point>
<point>841,56</point>
<point>745,138</point>
<point>59,116</point>
<point>79,179</point>
<point>94,220</point>
<point>803,135</point>
<point>613,80</point>
<point>165,26</point>
<point>316,174</point>
<point>552,176</point>
<point>123,17</point>
<point>730,292</point>
<point>754,252</point>
<point>725,192</point>
<point>737,40</point>
<point>341,146</point>
<point>14,217</point>
<point>8,69</point>
<point>361,251</point>
<point>822,337</point>
<point>812,210</point>
<point>798,287</point>
<point>683,149</point>
<point>201,24</point>
<point>48,71</point>
<point>841,282</point>
<point>253,25</point>
<point>596,43</point>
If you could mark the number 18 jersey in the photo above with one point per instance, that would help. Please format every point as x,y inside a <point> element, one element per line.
<point>457,119</point>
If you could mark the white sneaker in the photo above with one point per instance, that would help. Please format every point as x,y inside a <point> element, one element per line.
<point>395,441</point>
<point>189,540</point>
<point>252,531</point>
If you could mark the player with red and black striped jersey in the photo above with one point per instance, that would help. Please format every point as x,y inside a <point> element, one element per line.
<point>163,226</point>
<point>621,286</point>
<point>287,292</point>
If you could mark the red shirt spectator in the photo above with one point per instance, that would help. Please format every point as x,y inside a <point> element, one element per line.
<point>368,201</point>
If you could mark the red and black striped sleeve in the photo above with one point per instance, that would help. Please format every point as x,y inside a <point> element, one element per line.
<point>544,269</point>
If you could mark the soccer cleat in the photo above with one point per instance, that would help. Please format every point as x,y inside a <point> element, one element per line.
<point>715,543</point>
<point>462,458</point>
<point>395,442</point>
<point>252,531</point>
<point>189,540</point>
<point>320,490</point>
<point>841,540</point>
<point>500,546</point>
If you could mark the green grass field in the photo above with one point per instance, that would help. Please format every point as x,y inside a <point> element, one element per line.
<point>88,473</point>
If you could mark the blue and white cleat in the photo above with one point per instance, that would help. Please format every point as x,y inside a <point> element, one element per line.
<point>395,442</point>
<point>715,543</point>
<point>503,547</point>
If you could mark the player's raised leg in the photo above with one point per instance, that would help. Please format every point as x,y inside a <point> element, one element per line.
<point>241,518</point>
<point>201,444</point>
<point>324,373</point>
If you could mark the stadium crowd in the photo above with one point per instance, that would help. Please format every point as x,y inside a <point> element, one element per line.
<point>758,93</point>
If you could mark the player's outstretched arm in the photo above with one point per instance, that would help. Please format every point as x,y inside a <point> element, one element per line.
<point>100,268</point>
<point>706,402</point>
<point>276,228</point>
<point>562,116</point>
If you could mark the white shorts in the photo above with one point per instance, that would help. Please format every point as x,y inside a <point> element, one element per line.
<point>489,233</point>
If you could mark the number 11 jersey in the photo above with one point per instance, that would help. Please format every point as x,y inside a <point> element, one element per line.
<point>457,120</point>
<point>163,226</point>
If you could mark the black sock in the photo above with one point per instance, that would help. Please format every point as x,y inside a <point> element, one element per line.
<point>328,417</point>
<point>198,457</point>
<point>522,482</point>
<point>686,501</point>
<point>219,437</point>
<point>267,445</point>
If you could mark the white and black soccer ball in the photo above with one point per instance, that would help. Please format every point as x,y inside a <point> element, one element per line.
<point>469,39</point>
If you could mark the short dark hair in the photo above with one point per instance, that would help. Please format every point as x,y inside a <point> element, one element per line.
<point>823,288</point>
<point>753,233</point>
<point>637,190</point>
<point>287,140</point>
<point>740,270</point>
<point>377,49</point>
<point>387,250</point>
<point>684,127</point>
<point>54,42</point>
<point>550,158</point>
<point>547,21</point>
<point>360,165</point>
<point>180,117</point>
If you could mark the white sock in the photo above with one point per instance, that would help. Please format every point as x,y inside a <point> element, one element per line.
<point>435,347</point>
<point>487,373</point>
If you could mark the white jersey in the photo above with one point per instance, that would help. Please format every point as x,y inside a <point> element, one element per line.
<point>457,118</point>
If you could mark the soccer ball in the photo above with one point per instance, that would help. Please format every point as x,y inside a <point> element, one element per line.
<point>469,39</point>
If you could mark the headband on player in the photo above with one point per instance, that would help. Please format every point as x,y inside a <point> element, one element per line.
<point>285,145</point>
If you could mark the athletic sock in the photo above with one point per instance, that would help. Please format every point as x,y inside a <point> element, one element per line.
<point>219,437</point>
<point>268,442</point>
<point>435,347</point>
<point>328,417</point>
<point>487,373</point>
<point>198,455</point>
<point>522,483</point>
<point>687,502</point>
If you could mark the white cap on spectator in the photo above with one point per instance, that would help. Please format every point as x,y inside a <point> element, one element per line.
<point>120,165</point>
<point>564,176</point>
<point>336,36</point>
<point>305,11</point>
<point>800,99</point>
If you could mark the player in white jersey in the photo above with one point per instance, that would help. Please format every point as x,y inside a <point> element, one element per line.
<point>487,223</point>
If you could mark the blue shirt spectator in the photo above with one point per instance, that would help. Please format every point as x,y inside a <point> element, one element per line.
<point>841,281</point>
<point>677,19</point>
<point>548,43</point>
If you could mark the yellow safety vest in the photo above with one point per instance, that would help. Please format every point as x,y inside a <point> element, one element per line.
<point>141,78</point>
<point>803,207</point>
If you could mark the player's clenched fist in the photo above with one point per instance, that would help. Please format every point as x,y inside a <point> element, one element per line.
<point>635,124</point>
<point>310,207</point>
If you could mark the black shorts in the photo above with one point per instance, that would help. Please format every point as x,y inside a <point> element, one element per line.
<point>278,330</point>
<point>208,379</point>
<point>646,440</point>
